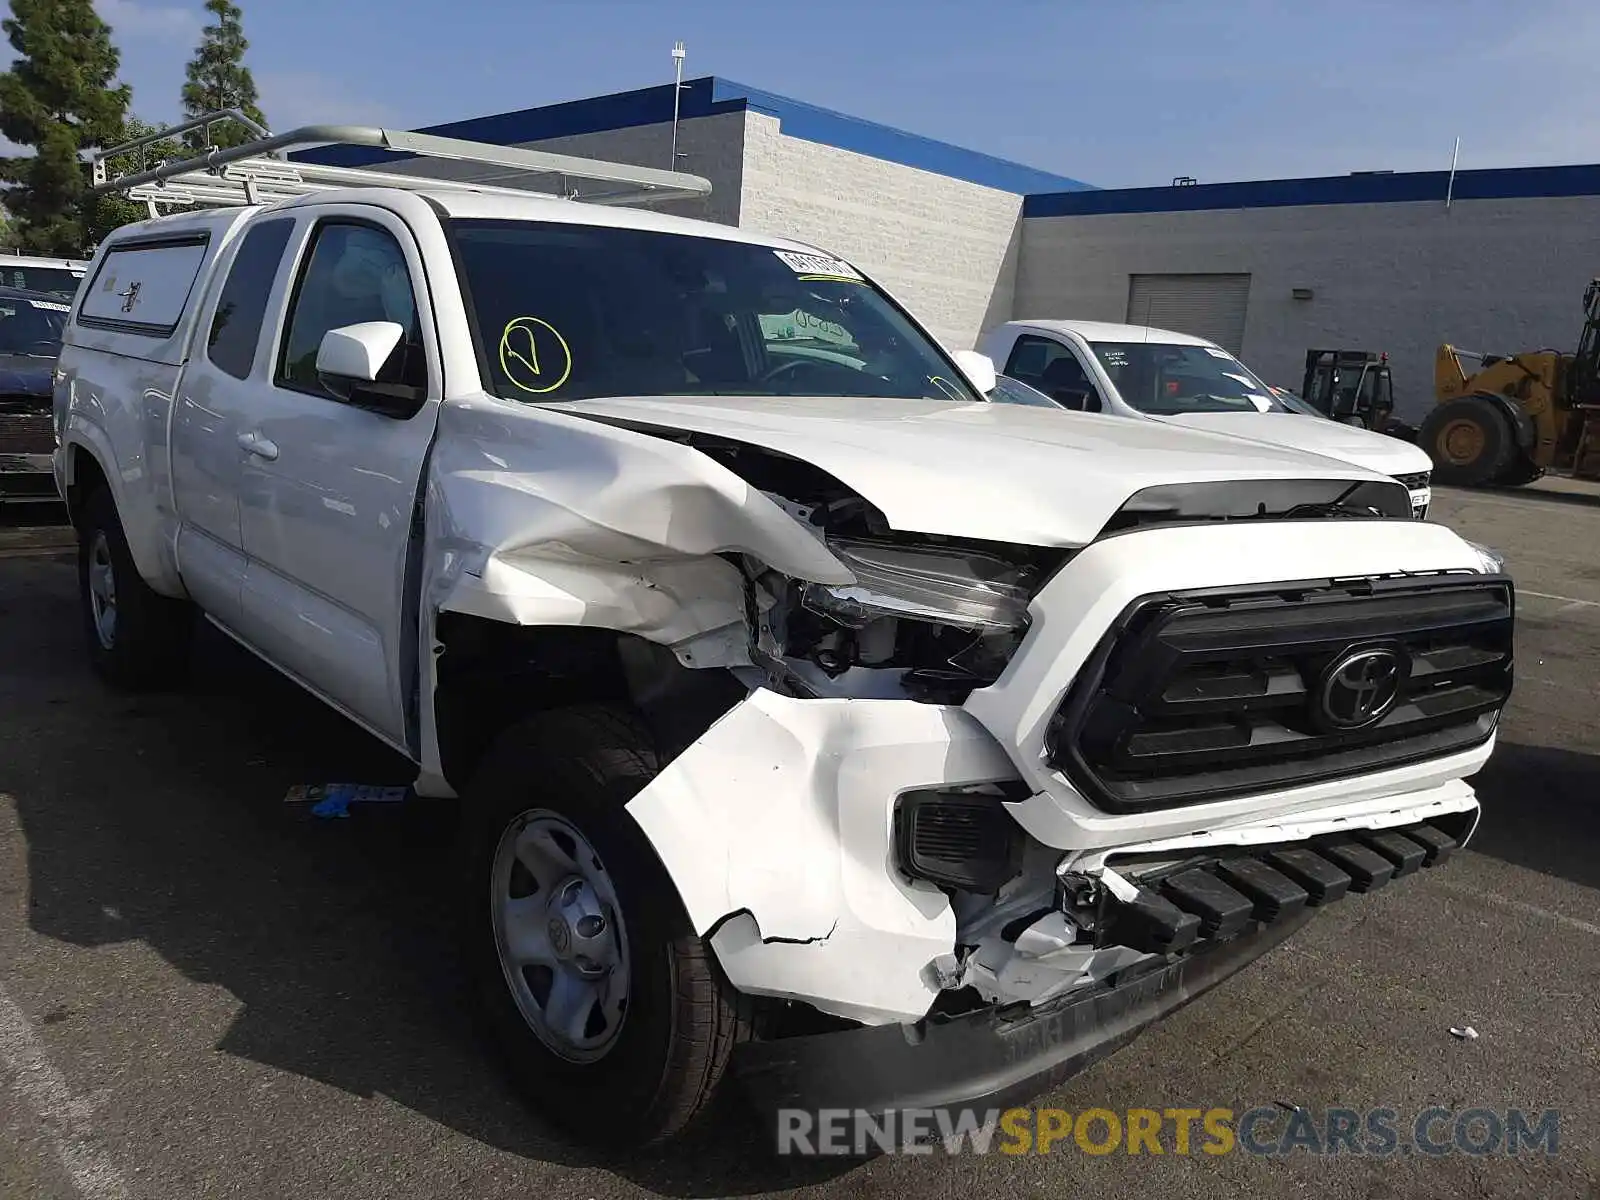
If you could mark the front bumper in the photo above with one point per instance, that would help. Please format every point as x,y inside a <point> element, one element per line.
<point>777,828</point>
<point>1000,1055</point>
<point>989,1058</point>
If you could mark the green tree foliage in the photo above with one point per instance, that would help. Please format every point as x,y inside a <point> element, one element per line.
<point>105,213</point>
<point>59,98</point>
<point>218,78</point>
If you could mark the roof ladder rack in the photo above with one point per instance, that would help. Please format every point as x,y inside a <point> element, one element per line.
<point>260,172</point>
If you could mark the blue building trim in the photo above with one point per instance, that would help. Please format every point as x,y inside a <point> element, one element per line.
<point>710,96</point>
<point>1509,183</point>
<point>812,123</point>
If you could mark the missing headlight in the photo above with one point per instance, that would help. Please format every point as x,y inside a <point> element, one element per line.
<point>927,621</point>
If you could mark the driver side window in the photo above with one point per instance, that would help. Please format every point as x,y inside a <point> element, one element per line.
<point>355,273</point>
<point>1055,370</point>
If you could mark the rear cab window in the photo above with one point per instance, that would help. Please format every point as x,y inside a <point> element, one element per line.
<point>143,285</point>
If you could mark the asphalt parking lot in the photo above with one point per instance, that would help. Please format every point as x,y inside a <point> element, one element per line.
<point>207,992</point>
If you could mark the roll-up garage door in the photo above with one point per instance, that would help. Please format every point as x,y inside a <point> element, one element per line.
<point>1207,306</point>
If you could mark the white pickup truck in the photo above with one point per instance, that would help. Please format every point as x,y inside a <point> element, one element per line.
<point>815,723</point>
<point>1161,375</point>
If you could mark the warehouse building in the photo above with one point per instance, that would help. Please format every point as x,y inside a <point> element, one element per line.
<point>1490,260</point>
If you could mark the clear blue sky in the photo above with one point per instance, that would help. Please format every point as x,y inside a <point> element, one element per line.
<point>1114,92</point>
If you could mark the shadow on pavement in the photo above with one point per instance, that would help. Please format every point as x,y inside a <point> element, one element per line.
<point>1540,811</point>
<point>1549,495</point>
<point>161,820</point>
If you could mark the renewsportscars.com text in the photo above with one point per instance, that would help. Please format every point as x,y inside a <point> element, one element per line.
<point>1271,1129</point>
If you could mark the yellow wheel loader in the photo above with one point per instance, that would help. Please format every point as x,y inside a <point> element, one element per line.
<point>1517,416</point>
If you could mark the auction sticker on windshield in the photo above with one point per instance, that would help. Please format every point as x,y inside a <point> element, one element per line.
<point>818,266</point>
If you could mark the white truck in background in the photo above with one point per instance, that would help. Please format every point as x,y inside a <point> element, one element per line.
<point>814,721</point>
<point>53,276</point>
<point>1162,375</point>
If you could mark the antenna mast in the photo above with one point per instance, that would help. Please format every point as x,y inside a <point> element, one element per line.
<point>678,54</point>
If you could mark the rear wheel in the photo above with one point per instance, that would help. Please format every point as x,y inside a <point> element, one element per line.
<point>138,639</point>
<point>1470,440</point>
<point>603,1003</point>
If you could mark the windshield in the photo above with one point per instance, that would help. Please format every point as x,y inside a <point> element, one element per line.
<point>56,280</point>
<point>1169,380</point>
<point>570,312</point>
<point>30,327</point>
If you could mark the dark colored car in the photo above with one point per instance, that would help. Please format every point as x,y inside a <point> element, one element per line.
<point>30,342</point>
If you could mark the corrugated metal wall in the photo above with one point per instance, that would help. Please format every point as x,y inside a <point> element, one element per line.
<point>1207,306</point>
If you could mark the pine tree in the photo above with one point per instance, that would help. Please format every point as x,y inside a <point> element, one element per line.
<point>59,98</point>
<point>104,213</point>
<point>218,78</point>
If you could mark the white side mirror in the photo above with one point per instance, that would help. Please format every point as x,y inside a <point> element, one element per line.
<point>978,368</point>
<point>358,352</point>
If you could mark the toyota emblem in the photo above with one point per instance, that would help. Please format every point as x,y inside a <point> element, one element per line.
<point>1360,688</point>
<point>560,936</point>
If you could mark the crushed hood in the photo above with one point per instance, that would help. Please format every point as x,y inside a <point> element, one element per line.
<point>997,472</point>
<point>1317,435</point>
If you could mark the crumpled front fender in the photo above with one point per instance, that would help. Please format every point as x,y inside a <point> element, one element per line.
<point>776,826</point>
<point>537,517</point>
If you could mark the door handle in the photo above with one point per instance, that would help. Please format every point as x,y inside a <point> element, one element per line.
<point>255,444</point>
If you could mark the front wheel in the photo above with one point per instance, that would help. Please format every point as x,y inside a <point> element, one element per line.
<point>603,1002</point>
<point>1470,440</point>
<point>137,638</point>
<point>1522,471</point>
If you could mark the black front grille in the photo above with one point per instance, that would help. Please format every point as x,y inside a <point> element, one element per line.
<point>1412,483</point>
<point>1201,696</point>
<point>27,433</point>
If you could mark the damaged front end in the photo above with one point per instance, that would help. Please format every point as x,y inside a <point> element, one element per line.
<point>884,831</point>
<point>872,823</point>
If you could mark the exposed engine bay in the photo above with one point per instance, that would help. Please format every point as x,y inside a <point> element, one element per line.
<point>931,618</point>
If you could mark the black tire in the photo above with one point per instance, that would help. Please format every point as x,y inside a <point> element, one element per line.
<point>146,648</point>
<point>1471,441</point>
<point>682,1019</point>
<point>1521,471</point>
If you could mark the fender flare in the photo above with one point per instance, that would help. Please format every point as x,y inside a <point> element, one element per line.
<point>154,556</point>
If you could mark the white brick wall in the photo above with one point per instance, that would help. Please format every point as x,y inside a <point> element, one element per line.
<point>946,248</point>
<point>1489,275</point>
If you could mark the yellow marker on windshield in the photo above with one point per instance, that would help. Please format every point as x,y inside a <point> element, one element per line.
<point>534,357</point>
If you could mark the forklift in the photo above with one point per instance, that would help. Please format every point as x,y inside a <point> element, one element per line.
<point>1352,386</point>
